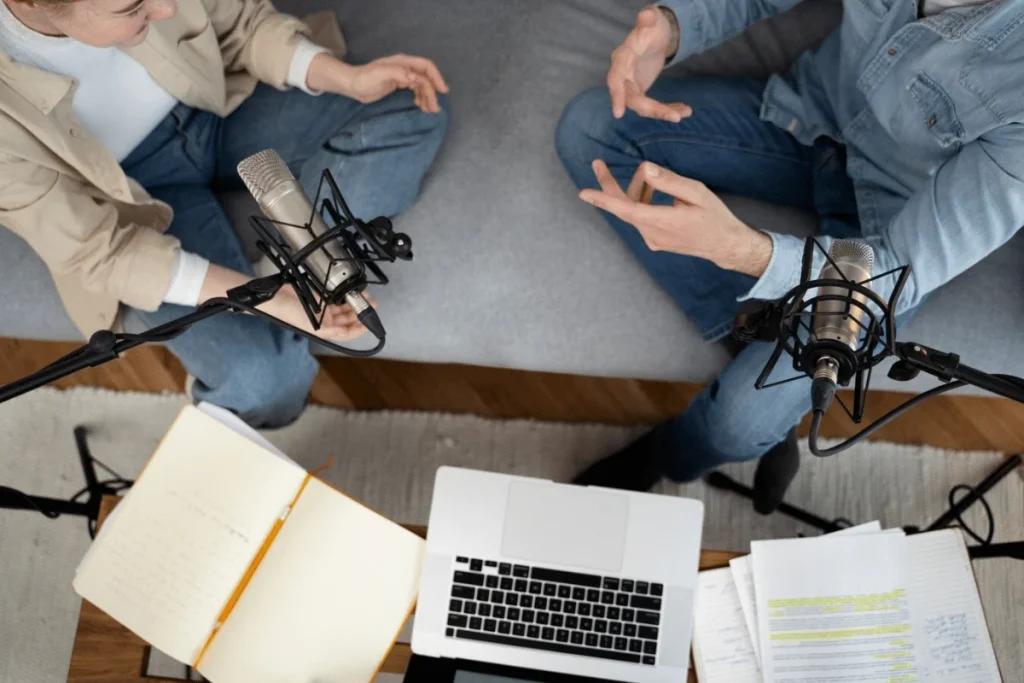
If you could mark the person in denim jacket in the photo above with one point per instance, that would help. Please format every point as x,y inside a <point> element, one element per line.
<point>903,130</point>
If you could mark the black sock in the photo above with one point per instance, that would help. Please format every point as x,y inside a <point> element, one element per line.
<point>775,472</point>
<point>637,467</point>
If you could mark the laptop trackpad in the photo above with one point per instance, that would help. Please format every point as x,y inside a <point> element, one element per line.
<point>565,525</point>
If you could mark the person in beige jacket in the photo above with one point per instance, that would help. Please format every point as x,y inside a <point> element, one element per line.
<point>120,120</point>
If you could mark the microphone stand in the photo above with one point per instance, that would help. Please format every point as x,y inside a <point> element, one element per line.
<point>914,359</point>
<point>103,347</point>
<point>366,243</point>
<point>95,490</point>
<point>782,322</point>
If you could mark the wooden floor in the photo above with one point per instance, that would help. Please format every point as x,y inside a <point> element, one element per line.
<point>960,422</point>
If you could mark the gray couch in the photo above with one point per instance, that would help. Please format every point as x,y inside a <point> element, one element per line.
<point>511,270</point>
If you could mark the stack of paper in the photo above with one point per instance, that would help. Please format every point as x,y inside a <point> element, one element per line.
<point>862,605</point>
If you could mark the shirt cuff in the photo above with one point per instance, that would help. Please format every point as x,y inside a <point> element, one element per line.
<point>690,18</point>
<point>785,266</point>
<point>187,278</point>
<point>301,60</point>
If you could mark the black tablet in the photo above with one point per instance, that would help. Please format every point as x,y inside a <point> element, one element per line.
<point>431,670</point>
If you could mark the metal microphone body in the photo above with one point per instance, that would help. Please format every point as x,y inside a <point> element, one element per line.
<point>282,199</point>
<point>838,325</point>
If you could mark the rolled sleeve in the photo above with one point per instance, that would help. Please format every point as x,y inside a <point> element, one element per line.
<point>690,17</point>
<point>298,72</point>
<point>187,279</point>
<point>704,24</point>
<point>785,266</point>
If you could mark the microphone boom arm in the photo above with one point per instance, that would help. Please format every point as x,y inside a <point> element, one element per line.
<point>105,346</point>
<point>366,242</point>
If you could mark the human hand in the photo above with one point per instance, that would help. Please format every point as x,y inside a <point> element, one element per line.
<point>638,61</point>
<point>697,224</point>
<point>378,79</point>
<point>339,323</point>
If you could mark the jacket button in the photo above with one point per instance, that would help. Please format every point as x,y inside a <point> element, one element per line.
<point>892,52</point>
<point>932,120</point>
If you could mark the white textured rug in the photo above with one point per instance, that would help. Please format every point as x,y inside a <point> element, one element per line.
<point>387,460</point>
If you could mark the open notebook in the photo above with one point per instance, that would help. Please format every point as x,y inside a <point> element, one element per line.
<point>233,559</point>
<point>943,637</point>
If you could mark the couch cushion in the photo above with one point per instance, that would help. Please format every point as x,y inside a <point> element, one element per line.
<point>511,270</point>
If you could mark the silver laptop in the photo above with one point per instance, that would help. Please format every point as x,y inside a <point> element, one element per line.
<point>527,573</point>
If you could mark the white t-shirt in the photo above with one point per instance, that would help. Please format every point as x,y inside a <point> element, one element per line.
<point>120,104</point>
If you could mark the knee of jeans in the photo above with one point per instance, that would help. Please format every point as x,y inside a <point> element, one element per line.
<point>442,118</point>
<point>742,423</point>
<point>584,131</point>
<point>432,127</point>
<point>273,393</point>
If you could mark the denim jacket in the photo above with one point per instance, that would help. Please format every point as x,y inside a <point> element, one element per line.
<point>931,113</point>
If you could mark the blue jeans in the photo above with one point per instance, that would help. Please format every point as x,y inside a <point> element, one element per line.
<point>729,148</point>
<point>378,153</point>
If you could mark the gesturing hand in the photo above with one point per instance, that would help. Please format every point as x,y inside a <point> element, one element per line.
<point>697,224</point>
<point>637,62</point>
<point>379,78</point>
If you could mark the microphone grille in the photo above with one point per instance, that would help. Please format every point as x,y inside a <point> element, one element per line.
<point>263,171</point>
<point>852,251</point>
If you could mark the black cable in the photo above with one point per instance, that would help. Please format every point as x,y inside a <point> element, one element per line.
<point>812,441</point>
<point>113,484</point>
<point>356,353</point>
<point>985,506</point>
<point>117,484</point>
<point>148,338</point>
<point>49,514</point>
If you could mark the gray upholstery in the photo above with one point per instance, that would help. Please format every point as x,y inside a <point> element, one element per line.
<point>511,270</point>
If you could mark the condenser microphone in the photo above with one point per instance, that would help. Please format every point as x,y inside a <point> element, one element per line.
<point>839,319</point>
<point>282,200</point>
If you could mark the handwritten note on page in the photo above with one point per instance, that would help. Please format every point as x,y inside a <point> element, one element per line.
<point>169,561</point>
<point>328,600</point>
<point>836,609</point>
<point>743,575</point>
<point>957,642</point>
<point>722,649</point>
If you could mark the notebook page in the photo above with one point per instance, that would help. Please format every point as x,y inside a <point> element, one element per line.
<point>237,424</point>
<point>170,559</point>
<point>837,609</point>
<point>228,419</point>
<point>743,575</point>
<point>958,646</point>
<point>722,649</point>
<point>327,601</point>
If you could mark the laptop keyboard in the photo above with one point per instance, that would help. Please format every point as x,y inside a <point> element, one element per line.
<point>558,611</point>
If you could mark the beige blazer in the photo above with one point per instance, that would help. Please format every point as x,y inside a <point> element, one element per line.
<point>99,232</point>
